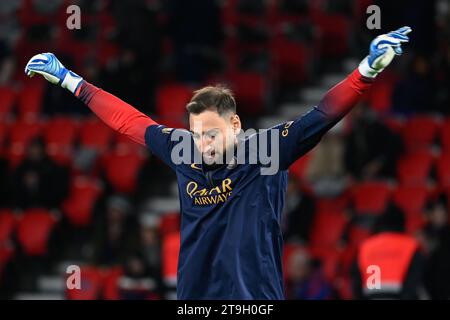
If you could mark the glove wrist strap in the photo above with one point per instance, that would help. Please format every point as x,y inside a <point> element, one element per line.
<point>71,81</point>
<point>366,70</point>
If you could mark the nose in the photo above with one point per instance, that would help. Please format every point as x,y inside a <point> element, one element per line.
<point>206,144</point>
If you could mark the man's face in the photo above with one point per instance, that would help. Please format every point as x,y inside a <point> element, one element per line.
<point>214,134</point>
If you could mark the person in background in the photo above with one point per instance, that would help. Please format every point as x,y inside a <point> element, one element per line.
<point>371,148</point>
<point>436,236</point>
<point>113,232</point>
<point>298,213</point>
<point>396,254</point>
<point>415,92</point>
<point>305,279</point>
<point>326,168</point>
<point>38,181</point>
<point>138,281</point>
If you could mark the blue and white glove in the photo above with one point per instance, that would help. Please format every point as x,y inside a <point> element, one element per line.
<point>382,50</point>
<point>49,66</point>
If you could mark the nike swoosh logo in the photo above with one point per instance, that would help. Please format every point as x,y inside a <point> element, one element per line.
<point>194,166</point>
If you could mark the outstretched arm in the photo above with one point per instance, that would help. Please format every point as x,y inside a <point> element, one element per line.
<point>341,98</point>
<point>117,114</point>
<point>301,135</point>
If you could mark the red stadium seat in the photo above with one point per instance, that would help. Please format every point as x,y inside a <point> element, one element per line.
<point>414,222</point>
<point>380,94</point>
<point>443,170</point>
<point>291,61</point>
<point>336,204</point>
<point>169,223</point>
<point>371,197</point>
<point>123,144</point>
<point>110,283</point>
<point>445,135</point>
<point>414,169</point>
<point>410,198</point>
<point>170,250</point>
<point>7,100</point>
<point>91,285</point>
<point>94,134</point>
<point>122,170</point>
<point>299,167</point>
<point>357,234</point>
<point>80,203</point>
<point>33,231</point>
<point>334,30</point>
<point>30,99</point>
<point>327,228</point>
<point>60,132</point>
<point>21,134</point>
<point>61,155</point>
<point>7,225</point>
<point>171,100</point>
<point>420,132</point>
<point>250,89</point>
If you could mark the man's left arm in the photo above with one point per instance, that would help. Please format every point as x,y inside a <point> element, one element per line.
<point>299,136</point>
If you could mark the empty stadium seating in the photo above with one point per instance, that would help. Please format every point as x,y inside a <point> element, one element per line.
<point>91,285</point>
<point>371,197</point>
<point>94,134</point>
<point>121,170</point>
<point>79,205</point>
<point>33,231</point>
<point>420,132</point>
<point>414,169</point>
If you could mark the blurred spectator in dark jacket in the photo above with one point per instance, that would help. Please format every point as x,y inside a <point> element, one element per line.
<point>442,75</point>
<point>298,213</point>
<point>150,242</point>
<point>133,75</point>
<point>114,231</point>
<point>372,149</point>
<point>38,181</point>
<point>305,279</point>
<point>196,31</point>
<point>139,281</point>
<point>143,279</point>
<point>415,92</point>
<point>389,264</point>
<point>436,235</point>
<point>5,183</point>
<point>325,170</point>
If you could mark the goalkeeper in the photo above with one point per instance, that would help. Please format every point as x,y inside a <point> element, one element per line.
<point>231,241</point>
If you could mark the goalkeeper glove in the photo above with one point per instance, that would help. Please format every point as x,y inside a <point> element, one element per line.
<point>49,66</point>
<point>382,50</point>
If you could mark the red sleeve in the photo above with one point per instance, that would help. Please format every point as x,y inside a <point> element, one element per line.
<point>344,96</point>
<point>117,114</point>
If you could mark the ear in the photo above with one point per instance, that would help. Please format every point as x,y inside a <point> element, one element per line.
<point>235,123</point>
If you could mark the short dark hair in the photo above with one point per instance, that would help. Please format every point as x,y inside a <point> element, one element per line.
<point>218,98</point>
<point>392,219</point>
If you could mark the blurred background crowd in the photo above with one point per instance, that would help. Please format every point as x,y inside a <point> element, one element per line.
<point>74,192</point>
